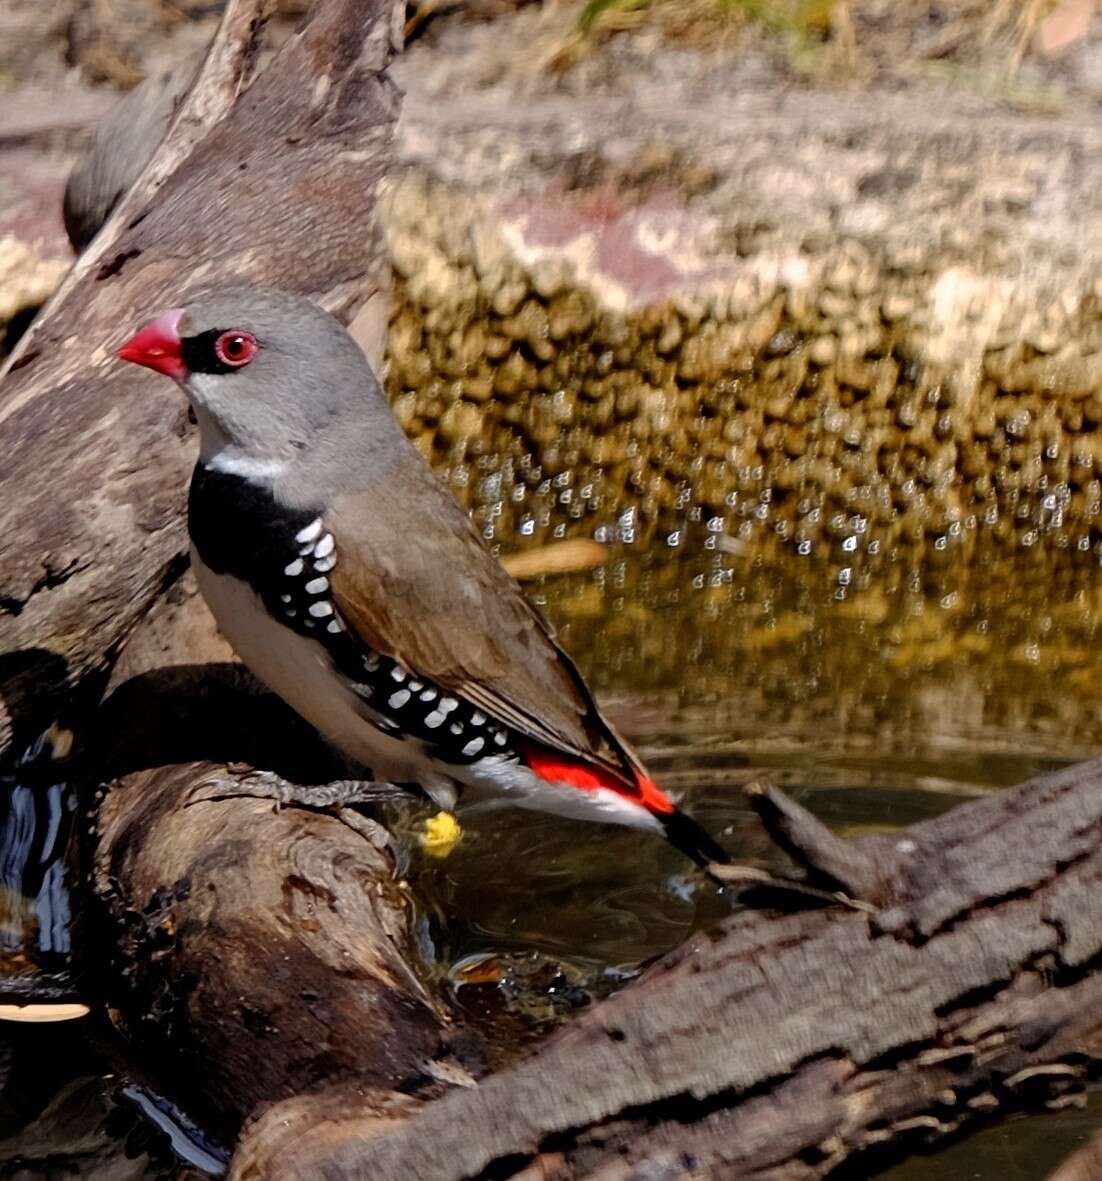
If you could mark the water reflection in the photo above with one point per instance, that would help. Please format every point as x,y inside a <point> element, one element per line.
<point>1025,1148</point>
<point>38,806</point>
<point>65,1111</point>
<point>875,709</point>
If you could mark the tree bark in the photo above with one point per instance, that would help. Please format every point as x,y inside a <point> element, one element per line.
<point>275,185</point>
<point>786,1044</point>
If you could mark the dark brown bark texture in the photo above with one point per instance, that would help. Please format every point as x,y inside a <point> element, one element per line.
<point>783,1045</point>
<point>275,186</point>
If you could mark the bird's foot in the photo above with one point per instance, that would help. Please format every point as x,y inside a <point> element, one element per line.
<point>265,785</point>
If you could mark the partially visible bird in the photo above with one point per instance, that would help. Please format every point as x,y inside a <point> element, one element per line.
<point>119,148</point>
<point>352,583</point>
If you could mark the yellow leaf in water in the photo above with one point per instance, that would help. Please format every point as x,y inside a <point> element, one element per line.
<point>560,557</point>
<point>440,835</point>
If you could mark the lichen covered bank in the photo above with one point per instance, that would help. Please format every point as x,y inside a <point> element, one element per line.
<point>611,355</point>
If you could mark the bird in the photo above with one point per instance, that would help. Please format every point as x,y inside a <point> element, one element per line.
<point>351,583</point>
<point>119,148</point>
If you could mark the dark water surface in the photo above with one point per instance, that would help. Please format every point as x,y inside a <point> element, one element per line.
<point>877,697</point>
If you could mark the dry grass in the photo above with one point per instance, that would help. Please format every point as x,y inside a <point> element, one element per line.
<point>797,25</point>
<point>844,39</point>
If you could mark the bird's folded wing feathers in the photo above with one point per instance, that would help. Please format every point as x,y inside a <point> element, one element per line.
<point>418,585</point>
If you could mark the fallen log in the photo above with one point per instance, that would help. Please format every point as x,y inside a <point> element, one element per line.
<point>785,1044</point>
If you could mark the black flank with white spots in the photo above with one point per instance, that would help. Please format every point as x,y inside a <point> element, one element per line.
<point>285,555</point>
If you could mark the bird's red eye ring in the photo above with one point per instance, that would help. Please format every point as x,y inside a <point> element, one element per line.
<point>235,348</point>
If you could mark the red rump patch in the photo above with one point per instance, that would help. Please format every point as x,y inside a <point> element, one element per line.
<point>557,768</point>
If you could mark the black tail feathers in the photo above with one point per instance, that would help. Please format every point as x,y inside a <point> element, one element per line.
<point>683,832</point>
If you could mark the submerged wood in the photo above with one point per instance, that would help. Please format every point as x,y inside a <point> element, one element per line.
<point>786,1044</point>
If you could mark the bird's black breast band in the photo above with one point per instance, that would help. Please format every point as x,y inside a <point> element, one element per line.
<point>239,528</point>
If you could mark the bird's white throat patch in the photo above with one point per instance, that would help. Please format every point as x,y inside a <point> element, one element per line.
<point>258,471</point>
<point>219,454</point>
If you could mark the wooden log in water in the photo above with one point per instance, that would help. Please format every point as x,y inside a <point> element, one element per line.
<point>785,1044</point>
<point>256,950</point>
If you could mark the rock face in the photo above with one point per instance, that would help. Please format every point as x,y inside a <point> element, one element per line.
<point>793,314</point>
<point>665,288</point>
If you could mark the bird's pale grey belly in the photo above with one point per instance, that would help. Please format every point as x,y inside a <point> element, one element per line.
<point>299,670</point>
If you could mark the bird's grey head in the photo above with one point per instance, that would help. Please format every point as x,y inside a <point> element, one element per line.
<point>268,374</point>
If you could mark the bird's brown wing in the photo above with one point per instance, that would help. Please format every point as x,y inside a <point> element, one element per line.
<point>414,581</point>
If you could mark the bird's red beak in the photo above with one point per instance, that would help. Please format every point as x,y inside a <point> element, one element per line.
<point>158,346</point>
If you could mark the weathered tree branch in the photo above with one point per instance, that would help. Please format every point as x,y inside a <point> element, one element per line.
<point>786,1044</point>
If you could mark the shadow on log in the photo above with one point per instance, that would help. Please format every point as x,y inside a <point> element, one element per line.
<point>785,1044</point>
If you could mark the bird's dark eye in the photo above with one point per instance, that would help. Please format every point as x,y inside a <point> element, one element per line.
<point>235,348</point>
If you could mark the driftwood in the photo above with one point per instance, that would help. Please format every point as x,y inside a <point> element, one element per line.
<point>786,1044</point>
<point>265,948</point>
